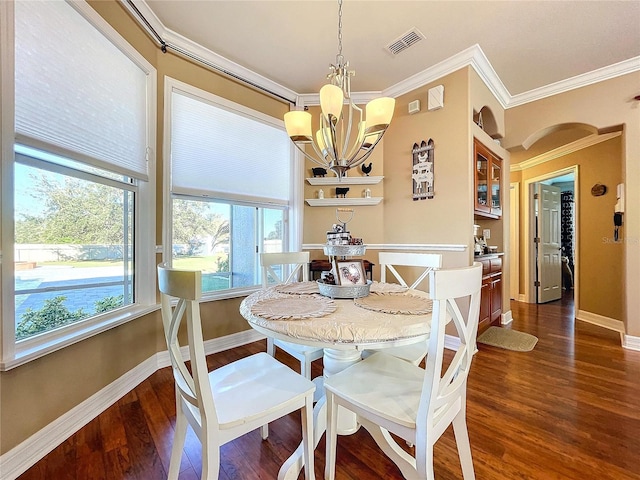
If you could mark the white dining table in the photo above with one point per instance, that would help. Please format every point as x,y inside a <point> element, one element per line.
<point>390,316</point>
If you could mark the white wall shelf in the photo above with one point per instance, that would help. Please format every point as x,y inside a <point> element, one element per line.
<point>340,202</point>
<point>345,180</point>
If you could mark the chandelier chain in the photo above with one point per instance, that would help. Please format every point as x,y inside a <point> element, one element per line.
<point>345,138</point>
<point>339,30</point>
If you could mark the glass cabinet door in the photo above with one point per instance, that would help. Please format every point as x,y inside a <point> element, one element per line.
<point>496,203</point>
<point>488,179</point>
<point>482,183</point>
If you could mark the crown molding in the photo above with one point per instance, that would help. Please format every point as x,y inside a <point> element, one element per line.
<point>564,150</point>
<point>473,56</point>
<point>148,14</point>
<point>485,70</point>
<point>605,73</point>
<point>195,51</point>
<point>192,49</point>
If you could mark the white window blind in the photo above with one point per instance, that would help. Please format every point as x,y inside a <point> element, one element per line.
<point>227,153</point>
<point>77,91</point>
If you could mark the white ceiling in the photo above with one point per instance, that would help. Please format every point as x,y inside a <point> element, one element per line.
<point>529,44</point>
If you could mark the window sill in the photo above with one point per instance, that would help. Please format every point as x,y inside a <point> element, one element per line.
<point>229,293</point>
<point>26,353</point>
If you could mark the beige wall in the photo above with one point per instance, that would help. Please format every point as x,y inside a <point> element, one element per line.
<point>604,105</point>
<point>448,217</point>
<point>599,259</point>
<point>37,393</point>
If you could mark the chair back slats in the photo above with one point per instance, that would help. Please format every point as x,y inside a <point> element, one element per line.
<point>450,289</point>
<point>232,399</point>
<point>184,380</point>
<point>293,266</point>
<point>192,384</point>
<point>391,260</point>
<point>180,283</point>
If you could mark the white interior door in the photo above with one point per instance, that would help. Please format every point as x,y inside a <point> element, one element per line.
<point>549,244</point>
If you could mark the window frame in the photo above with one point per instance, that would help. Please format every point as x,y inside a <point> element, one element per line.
<point>14,353</point>
<point>292,216</point>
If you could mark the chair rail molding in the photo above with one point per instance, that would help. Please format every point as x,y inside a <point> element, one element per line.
<point>423,247</point>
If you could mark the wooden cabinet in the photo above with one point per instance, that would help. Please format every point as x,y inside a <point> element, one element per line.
<point>488,178</point>
<point>491,293</point>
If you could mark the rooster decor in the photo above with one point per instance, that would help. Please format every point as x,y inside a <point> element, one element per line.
<point>367,169</point>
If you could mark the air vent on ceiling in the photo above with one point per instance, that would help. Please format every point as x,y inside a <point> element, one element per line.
<point>404,41</point>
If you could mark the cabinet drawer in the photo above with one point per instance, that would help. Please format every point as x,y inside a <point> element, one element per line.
<point>486,267</point>
<point>495,265</point>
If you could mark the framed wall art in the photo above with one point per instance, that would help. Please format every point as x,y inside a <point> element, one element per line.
<point>423,170</point>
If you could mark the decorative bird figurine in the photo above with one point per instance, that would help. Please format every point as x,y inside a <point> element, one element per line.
<point>366,169</point>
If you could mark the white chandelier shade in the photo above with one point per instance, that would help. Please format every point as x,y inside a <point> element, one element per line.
<point>345,138</point>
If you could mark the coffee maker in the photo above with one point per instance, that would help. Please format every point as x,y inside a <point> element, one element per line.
<point>480,244</point>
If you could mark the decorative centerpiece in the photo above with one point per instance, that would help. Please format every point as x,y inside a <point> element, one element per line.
<point>347,278</point>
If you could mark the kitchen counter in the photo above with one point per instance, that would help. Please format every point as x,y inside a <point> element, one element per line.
<point>485,256</point>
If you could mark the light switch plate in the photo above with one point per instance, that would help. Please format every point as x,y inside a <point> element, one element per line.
<point>486,233</point>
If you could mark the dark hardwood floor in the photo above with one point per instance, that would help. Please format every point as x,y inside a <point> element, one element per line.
<point>569,409</point>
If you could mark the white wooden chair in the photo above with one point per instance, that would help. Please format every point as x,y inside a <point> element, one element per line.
<point>293,266</point>
<point>415,352</point>
<point>231,400</point>
<point>390,395</point>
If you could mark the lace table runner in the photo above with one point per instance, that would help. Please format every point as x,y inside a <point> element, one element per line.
<point>293,307</point>
<point>297,288</point>
<point>395,303</point>
<point>377,287</point>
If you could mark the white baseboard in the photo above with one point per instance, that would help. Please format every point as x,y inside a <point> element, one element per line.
<point>627,341</point>
<point>451,342</point>
<point>600,320</point>
<point>22,457</point>
<point>631,343</point>
<point>506,318</point>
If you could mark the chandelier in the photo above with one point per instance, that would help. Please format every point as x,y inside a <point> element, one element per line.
<point>345,138</point>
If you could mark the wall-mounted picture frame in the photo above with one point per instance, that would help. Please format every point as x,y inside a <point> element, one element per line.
<point>350,272</point>
<point>423,170</point>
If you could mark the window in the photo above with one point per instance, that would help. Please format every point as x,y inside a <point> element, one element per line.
<point>73,243</point>
<point>78,196</point>
<point>211,236</point>
<point>231,172</point>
